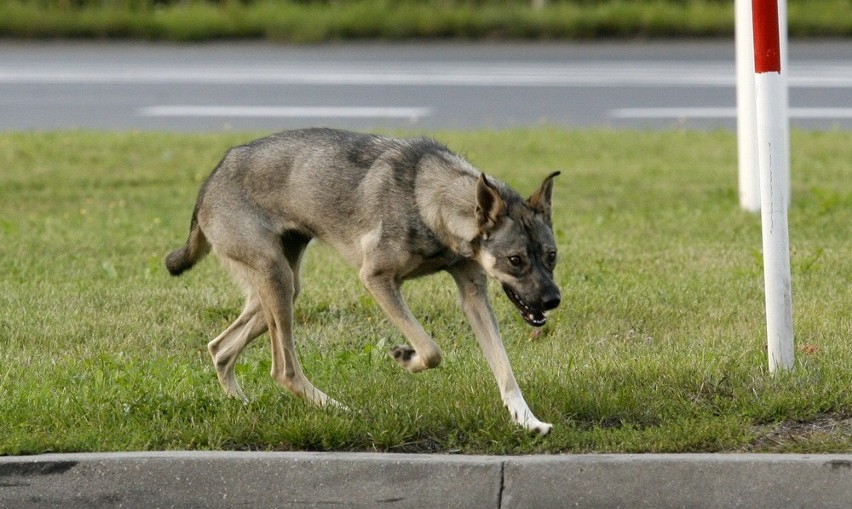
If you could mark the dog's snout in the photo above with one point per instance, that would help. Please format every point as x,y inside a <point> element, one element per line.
<point>551,301</point>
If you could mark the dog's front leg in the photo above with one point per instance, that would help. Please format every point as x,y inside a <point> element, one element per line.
<point>386,290</point>
<point>473,290</point>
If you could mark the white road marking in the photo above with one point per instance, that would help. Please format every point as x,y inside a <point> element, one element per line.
<point>284,111</point>
<point>716,113</point>
<point>815,74</point>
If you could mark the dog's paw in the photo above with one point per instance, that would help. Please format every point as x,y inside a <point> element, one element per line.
<point>416,361</point>
<point>541,429</point>
<point>407,358</point>
<point>523,417</point>
<point>234,392</point>
<point>403,354</point>
<point>334,405</point>
<point>530,423</point>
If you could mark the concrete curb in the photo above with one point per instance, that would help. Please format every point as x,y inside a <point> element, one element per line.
<point>243,479</point>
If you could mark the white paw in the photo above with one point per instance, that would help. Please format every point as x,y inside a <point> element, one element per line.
<point>538,427</point>
<point>529,422</point>
<point>523,416</point>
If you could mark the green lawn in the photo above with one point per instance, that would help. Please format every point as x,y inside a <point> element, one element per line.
<point>659,344</point>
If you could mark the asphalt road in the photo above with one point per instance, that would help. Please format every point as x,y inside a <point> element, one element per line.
<point>256,86</point>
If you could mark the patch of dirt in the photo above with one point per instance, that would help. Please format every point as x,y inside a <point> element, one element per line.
<point>828,433</point>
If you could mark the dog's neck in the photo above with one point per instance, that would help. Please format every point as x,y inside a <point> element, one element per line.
<point>448,207</point>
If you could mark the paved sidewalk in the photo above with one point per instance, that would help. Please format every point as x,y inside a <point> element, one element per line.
<point>285,480</point>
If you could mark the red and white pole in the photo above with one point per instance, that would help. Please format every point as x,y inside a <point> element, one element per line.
<point>748,174</point>
<point>774,188</point>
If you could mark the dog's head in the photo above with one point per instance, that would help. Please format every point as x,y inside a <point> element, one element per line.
<point>517,246</point>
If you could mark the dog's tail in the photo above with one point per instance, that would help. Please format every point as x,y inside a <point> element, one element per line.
<point>196,247</point>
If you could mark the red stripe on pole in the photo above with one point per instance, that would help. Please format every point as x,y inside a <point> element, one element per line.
<point>767,50</point>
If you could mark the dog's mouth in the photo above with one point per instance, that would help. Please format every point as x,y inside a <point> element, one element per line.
<point>531,315</point>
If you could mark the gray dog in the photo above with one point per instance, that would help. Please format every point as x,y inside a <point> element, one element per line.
<point>396,209</point>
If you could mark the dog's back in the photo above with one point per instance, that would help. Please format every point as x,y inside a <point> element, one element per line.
<point>335,186</point>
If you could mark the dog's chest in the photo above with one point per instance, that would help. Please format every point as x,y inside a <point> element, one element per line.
<point>428,253</point>
<point>425,266</point>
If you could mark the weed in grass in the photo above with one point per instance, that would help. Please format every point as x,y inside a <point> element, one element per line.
<point>659,344</point>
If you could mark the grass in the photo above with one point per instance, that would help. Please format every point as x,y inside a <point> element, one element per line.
<point>659,345</point>
<point>316,21</point>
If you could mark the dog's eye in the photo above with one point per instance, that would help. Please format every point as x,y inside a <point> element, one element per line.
<point>551,256</point>
<point>515,261</point>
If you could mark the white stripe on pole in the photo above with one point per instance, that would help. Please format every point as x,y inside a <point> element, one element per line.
<point>772,154</point>
<point>784,103</point>
<point>774,167</point>
<point>749,185</point>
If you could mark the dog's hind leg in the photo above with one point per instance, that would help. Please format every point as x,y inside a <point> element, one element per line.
<point>473,290</point>
<point>426,354</point>
<point>263,263</point>
<point>227,346</point>
<point>274,281</point>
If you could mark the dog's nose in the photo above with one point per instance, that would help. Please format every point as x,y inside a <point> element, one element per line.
<point>551,301</point>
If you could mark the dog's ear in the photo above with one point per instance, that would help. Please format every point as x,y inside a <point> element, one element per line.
<point>490,207</point>
<point>540,199</point>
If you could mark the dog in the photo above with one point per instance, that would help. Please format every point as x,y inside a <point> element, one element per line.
<point>394,208</point>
